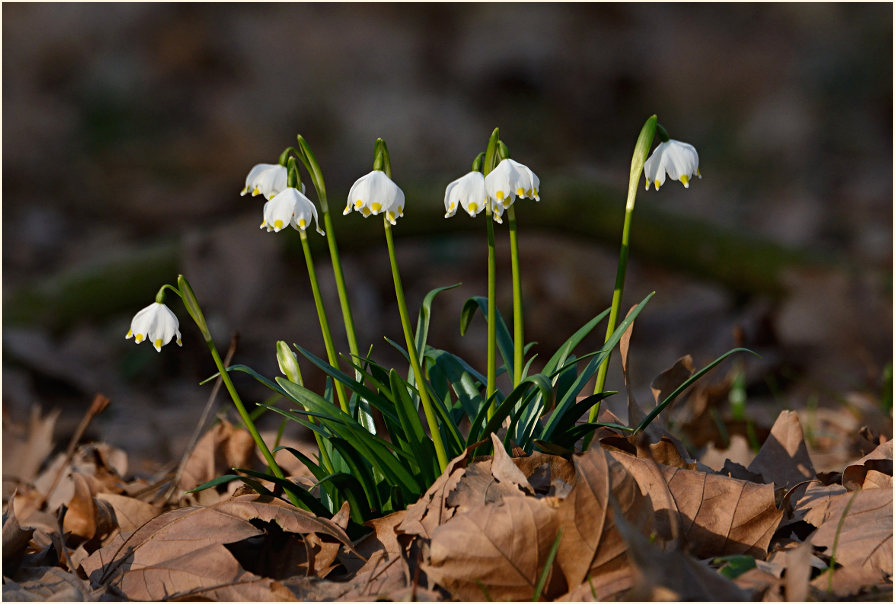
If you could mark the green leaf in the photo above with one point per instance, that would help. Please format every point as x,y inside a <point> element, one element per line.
<point>670,398</point>
<point>359,468</point>
<point>414,433</point>
<point>315,469</point>
<point>214,482</point>
<point>563,352</point>
<point>349,487</point>
<point>735,565</point>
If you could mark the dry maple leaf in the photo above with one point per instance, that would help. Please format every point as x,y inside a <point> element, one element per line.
<point>431,510</point>
<point>718,515</point>
<point>184,553</point>
<point>498,549</point>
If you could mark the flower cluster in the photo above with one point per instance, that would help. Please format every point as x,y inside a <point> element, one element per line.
<point>375,193</point>
<point>501,187</point>
<point>155,323</point>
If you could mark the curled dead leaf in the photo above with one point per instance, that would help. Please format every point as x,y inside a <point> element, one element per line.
<point>874,470</point>
<point>783,458</point>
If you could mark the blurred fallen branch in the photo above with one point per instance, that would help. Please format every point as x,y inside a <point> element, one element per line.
<point>742,262</point>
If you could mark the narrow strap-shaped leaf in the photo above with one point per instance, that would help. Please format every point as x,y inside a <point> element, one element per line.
<point>561,421</point>
<point>562,353</point>
<point>315,469</point>
<point>412,426</point>
<point>422,323</point>
<point>350,489</point>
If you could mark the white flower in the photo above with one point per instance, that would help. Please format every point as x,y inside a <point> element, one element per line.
<point>155,323</point>
<point>506,182</point>
<point>376,193</point>
<point>265,179</point>
<point>679,160</point>
<point>467,191</point>
<point>290,207</point>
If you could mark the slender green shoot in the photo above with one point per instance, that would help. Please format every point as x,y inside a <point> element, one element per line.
<point>491,373</point>
<point>839,526</point>
<point>548,564</point>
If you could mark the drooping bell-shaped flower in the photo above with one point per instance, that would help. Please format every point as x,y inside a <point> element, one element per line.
<point>506,182</point>
<point>678,160</point>
<point>155,323</point>
<point>290,207</point>
<point>467,192</point>
<point>376,193</point>
<point>265,179</point>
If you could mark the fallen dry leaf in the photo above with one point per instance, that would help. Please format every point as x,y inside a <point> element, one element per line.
<point>718,515</point>
<point>15,538</point>
<point>47,584</point>
<point>547,474</point>
<point>499,549</point>
<point>591,545</point>
<point>130,513</point>
<point>86,517</point>
<point>185,553</point>
<point>783,458</point>
<point>221,448</point>
<point>738,452</point>
<point>431,510</point>
<point>874,470</point>
<point>24,453</point>
<point>865,538</point>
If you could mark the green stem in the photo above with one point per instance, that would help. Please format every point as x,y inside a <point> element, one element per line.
<point>247,420</point>
<point>411,351</point>
<point>641,150</point>
<point>491,373</point>
<point>324,323</point>
<point>340,284</point>
<point>518,338</point>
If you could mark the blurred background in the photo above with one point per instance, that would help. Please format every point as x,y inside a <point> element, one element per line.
<point>128,130</point>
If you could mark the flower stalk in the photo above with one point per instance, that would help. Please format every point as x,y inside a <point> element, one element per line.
<point>491,371</point>
<point>641,149</point>
<point>195,311</point>
<point>518,336</point>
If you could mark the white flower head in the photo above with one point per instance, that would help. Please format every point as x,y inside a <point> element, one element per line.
<point>679,160</point>
<point>290,207</point>
<point>155,323</point>
<point>375,193</point>
<point>506,182</point>
<point>265,179</point>
<point>467,191</point>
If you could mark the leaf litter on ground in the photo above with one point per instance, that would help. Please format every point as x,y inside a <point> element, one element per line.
<point>633,517</point>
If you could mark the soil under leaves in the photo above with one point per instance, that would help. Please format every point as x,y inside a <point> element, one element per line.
<point>631,518</point>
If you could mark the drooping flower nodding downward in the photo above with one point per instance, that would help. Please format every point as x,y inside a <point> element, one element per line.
<point>155,323</point>
<point>467,191</point>
<point>376,193</point>
<point>290,207</point>
<point>506,182</point>
<point>679,160</point>
<point>265,179</point>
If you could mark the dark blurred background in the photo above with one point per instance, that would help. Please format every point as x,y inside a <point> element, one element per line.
<point>128,130</point>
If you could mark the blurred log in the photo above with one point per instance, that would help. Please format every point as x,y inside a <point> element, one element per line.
<point>741,262</point>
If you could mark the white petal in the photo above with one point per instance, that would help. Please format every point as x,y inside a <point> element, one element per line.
<point>375,193</point>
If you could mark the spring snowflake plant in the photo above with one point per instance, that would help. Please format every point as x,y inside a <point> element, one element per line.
<point>440,405</point>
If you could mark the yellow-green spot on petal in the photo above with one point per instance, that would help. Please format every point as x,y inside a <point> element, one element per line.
<point>244,191</point>
<point>256,191</point>
<point>391,216</point>
<point>401,210</point>
<point>685,179</point>
<point>453,205</point>
<point>358,204</point>
<point>365,211</point>
<point>278,224</point>
<point>375,206</point>
<point>520,192</point>
<point>657,184</point>
<point>158,343</point>
<point>138,338</point>
<point>473,207</point>
<point>179,343</point>
<point>499,195</point>
<point>130,333</point>
<point>302,222</point>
